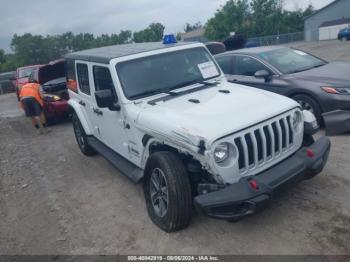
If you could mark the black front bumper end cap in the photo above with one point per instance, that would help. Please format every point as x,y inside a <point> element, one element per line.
<point>337,122</point>
<point>240,199</point>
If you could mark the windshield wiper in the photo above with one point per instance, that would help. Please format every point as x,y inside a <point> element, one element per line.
<point>149,93</point>
<point>306,68</point>
<point>203,83</point>
<point>316,66</point>
<point>172,94</point>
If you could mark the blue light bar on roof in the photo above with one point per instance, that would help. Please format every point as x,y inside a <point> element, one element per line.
<point>169,39</point>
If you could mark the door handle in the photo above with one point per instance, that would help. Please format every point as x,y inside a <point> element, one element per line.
<point>234,80</point>
<point>98,111</point>
<point>81,102</point>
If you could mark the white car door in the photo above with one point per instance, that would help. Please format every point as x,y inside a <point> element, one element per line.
<point>108,124</point>
<point>84,89</point>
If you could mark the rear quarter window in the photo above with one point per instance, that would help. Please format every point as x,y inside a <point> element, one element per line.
<point>70,75</point>
<point>83,78</point>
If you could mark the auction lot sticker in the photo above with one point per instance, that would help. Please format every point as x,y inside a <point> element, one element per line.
<point>208,69</point>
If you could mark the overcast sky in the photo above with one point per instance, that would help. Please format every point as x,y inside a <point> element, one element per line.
<point>108,16</point>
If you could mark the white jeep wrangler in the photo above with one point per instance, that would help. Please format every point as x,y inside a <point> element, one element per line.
<point>164,114</point>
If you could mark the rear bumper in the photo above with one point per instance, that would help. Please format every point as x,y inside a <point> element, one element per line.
<point>337,122</point>
<point>240,199</point>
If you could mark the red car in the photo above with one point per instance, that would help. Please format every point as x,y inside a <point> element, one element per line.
<point>52,79</point>
<point>22,76</point>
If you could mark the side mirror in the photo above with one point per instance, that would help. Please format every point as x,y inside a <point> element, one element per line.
<point>263,74</point>
<point>106,99</point>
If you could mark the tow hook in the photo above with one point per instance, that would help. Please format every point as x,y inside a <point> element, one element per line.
<point>207,188</point>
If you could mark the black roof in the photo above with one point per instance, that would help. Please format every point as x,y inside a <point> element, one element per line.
<point>336,22</point>
<point>105,54</point>
<point>253,50</point>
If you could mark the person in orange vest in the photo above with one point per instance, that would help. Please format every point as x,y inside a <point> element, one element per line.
<point>32,103</point>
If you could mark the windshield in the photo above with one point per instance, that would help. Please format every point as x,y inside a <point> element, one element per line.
<point>290,61</point>
<point>25,72</point>
<point>164,72</point>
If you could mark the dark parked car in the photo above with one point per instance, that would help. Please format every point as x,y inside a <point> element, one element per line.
<point>6,82</point>
<point>317,85</point>
<point>216,47</point>
<point>344,34</point>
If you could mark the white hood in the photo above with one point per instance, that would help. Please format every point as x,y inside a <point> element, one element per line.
<point>218,114</point>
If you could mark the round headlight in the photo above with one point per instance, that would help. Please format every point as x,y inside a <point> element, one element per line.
<point>296,120</point>
<point>221,152</point>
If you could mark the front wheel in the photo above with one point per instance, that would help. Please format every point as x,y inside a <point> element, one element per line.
<point>81,137</point>
<point>167,192</point>
<point>309,104</point>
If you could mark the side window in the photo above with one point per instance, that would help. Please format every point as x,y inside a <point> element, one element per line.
<point>248,66</point>
<point>225,63</point>
<point>83,78</point>
<point>103,79</point>
<point>70,75</point>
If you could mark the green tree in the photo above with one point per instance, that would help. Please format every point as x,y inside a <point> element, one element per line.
<point>188,27</point>
<point>153,33</point>
<point>255,18</point>
<point>234,16</point>
<point>308,11</point>
<point>10,63</point>
<point>267,16</point>
<point>125,37</point>
<point>178,36</point>
<point>2,56</point>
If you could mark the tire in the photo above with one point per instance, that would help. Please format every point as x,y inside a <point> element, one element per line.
<point>173,193</point>
<point>81,137</point>
<point>310,104</point>
<point>344,39</point>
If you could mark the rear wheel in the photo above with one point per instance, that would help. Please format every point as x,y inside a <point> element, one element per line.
<point>167,192</point>
<point>81,137</point>
<point>310,104</point>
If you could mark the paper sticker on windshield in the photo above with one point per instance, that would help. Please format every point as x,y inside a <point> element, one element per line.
<point>300,52</point>
<point>208,69</point>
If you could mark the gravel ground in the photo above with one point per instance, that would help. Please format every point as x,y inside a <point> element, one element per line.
<point>54,200</point>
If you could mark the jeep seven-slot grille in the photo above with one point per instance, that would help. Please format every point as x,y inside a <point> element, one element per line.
<point>264,143</point>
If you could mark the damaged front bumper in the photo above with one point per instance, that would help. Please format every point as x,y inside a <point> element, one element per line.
<point>252,194</point>
<point>337,122</point>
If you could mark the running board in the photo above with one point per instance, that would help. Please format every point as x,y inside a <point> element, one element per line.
<point>123,165</point>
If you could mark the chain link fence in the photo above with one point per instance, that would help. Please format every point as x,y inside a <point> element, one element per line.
<point>277,39</point>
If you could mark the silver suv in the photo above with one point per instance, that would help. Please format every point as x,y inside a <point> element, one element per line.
<point>164,114</point>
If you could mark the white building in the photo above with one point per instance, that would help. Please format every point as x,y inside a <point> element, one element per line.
<point>329,30</point>
<point>337,10</point>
